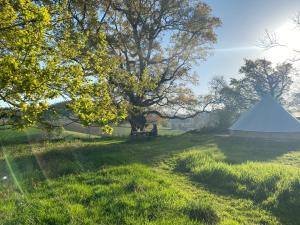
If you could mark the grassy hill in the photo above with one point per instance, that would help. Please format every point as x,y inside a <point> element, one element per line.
<point>180,179</point>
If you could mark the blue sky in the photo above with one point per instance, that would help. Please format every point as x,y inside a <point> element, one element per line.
<point>244,25</point>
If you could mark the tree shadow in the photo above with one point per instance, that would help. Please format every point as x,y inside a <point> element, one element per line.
<point>223,181</point>
<point>238,150</point>
<point>91,155</point>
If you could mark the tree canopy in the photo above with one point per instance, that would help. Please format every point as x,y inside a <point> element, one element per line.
<point>264,79</point>
<point>157,42</point>
<point>23,80</point>
<point>45,56</point>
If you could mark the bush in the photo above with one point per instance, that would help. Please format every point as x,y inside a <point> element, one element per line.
<point>53,133</point>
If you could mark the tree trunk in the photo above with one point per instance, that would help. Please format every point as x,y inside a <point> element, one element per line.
<point>133,127</point>
<point>137,122</point>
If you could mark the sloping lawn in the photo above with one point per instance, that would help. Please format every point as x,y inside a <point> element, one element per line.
<point>183,179</point>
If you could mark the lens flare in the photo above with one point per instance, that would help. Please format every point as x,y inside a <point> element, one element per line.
<point>11,171</point>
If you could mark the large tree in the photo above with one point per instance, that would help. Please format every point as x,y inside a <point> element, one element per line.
<point>45,56</point>
<point>157,42</point>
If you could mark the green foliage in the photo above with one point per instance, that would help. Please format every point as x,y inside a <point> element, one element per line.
<point>31,136</point>
<point>54,133</point>
<point>157,76</point>
<point>86,72</point>
<point>24,82</point>
<point>263,79</point>
<point>44,57</point>
<point>228,102</point>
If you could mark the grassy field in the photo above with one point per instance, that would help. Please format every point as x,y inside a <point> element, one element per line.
<point>118,131</point>
<point>173,179</point>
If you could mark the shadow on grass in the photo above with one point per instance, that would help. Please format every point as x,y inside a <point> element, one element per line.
<point>238,150</point>
<point>92,154</point>
<point>284,203</point>
<point>9,137</point>
<point>88,155</point>
<point>281,197</point>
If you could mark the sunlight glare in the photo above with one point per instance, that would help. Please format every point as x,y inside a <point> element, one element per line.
<point>12,172</point>
<point>288,36</point>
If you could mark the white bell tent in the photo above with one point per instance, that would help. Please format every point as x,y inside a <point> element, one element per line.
<point>267,119</point>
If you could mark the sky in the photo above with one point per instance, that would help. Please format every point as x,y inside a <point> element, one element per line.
<point>244,23</point>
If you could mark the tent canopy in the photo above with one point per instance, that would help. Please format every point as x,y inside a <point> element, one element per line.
<point>267,116</point>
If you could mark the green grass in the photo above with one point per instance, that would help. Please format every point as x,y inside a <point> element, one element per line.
<point>115,195</point>
<point>11,136</point>
<point>273,186</point>
<point>179,179</point>
<point>118,131</point>
<point>31,135</point>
